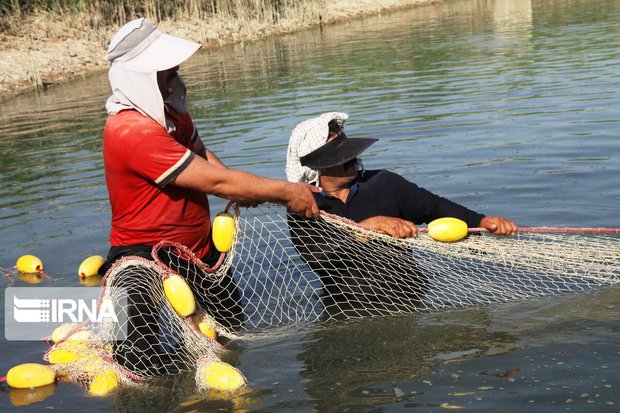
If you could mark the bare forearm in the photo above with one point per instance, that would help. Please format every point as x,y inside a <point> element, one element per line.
<point>247,188</point>
<point>212,159</point>
<point>243,186</point>
<point>203,152</point>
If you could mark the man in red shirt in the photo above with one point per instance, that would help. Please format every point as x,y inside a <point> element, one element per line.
<point>159,173</point>
<point>157,169</point>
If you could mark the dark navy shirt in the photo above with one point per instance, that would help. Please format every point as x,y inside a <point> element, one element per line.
<point>383,192</point>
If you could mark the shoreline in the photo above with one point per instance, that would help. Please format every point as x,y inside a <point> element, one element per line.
<point>50,49</point>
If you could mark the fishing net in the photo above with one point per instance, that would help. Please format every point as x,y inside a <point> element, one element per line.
<point>153,339</point>
<point>286,272</point>
<point>297,271</point>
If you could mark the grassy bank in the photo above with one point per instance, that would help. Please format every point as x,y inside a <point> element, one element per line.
<point>43,42</point>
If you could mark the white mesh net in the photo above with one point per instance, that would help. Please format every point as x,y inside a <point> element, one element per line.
<point>291,273</point>
<point>297,271</point>
<point>156,340</point>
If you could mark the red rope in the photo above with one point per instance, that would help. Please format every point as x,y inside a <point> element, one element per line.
<point>555,229</point>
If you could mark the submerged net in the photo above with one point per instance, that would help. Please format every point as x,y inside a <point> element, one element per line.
<point>285,272</point>
<point>297,271</point>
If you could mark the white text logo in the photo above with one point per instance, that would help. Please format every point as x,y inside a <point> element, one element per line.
<point>62,310</point>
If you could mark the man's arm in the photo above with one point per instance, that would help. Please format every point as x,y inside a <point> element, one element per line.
<point>202,151</point>
<point>425,206</point>
<point>214,160</point>
<point>401,228</point>
<point>247,188</point>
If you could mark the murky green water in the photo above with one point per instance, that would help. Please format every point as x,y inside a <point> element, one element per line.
<point>508,107</point>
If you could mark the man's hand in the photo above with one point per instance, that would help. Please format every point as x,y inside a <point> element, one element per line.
<point>299,199</point>
<point>393,226</point>
<point>499,225</point>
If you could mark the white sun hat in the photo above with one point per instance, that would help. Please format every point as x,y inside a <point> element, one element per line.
<point>306,137</point>
<point>141,45</point>
<point>137,52</point>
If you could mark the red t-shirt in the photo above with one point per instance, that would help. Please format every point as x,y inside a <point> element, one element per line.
<point>141,159</point>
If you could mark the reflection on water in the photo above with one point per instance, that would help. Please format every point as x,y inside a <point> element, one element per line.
<point>25,397</point>
<point>368,359</point>
<point>505,106</point>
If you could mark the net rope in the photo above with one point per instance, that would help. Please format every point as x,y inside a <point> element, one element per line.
<point>285,272</point>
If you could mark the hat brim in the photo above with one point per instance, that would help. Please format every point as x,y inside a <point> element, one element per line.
<point>337,151</point>
<point>164,53</point>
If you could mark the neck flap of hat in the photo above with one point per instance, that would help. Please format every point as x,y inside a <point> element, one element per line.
<point>134,88</point>
<point>305,138</point>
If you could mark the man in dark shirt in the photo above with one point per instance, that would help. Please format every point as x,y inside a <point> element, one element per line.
<point>320,153</point>
<point>373,194</point>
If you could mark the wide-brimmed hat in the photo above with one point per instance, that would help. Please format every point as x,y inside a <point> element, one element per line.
<point>337,151</point>
<point>137,52</point>
<point>142,46</point>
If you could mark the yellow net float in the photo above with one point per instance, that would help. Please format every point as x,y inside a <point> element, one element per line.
<point>179,295</point>
<point>77,357</point>
<point>61,332</point>
<point>63,354</point>
<point>69,351</point>
<point>29,264</point>
<point>223,231</point>
<point>90,266</point>
<point>103,383</point>
<point>218,375</point>
<point>90,365</point>
<point>447,229</point>
<point>205,325</point>
<point>30,375</point>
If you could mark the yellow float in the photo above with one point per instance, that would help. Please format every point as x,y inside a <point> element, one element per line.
<point>29,264</point>
<point>218,375</point>
<point>223,231</point>
<point>90,266</point>
<point>104,383</point>
<point>30,375</point>
<point>63,354</point>
<point>179,295</point>
<point>447,229</point>
<point>204,325</point>
<point>69,351</point>
<point>61,333</point>
<point>90,365</point>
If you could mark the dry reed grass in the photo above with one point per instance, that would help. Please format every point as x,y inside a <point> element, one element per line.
<point>63,39</point>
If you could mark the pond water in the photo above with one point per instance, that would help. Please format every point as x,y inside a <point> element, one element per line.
<point>509,107</point>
